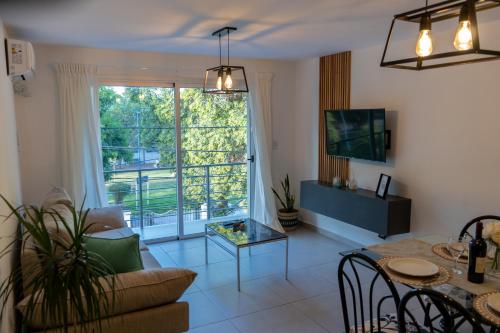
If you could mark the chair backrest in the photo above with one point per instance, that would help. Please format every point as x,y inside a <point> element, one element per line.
<point>359,278</point>
<point>432,311</point>
<point>465,229</point>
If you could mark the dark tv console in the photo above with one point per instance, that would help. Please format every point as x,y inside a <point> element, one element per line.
<point>362,208</point>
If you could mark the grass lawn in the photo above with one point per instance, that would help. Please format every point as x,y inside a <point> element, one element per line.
<point>159,193</point>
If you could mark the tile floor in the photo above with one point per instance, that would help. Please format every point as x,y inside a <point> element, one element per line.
<point>308,302</point>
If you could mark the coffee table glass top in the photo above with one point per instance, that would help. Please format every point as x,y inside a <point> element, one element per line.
<point>252,233</point>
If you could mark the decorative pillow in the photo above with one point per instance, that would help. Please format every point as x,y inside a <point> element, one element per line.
<point>54,223</point>
<point>118,233</point>
<point>57,195</point>
<point>105,218</point>
<point>122,254</point>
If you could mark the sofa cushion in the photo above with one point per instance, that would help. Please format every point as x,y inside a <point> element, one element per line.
<point>118,233</point>
<point>169,318</point>
<point>134,291</point>
<point>122,254</point>
<point>106,218</point>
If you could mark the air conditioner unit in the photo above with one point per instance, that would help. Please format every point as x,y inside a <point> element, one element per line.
<point>20,59</point>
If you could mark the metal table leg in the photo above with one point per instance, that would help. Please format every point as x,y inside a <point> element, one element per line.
<point>238,266</point>
<point>206,246</point>
<point>286,260</point>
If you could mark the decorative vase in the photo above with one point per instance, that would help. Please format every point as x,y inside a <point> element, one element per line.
<point>288,219</point>
<point>494,269</point>
<point>353,184</point>
<point>337,182</point>
<point>495,264</point>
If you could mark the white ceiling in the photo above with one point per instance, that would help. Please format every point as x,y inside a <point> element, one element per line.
<point>284,29</point>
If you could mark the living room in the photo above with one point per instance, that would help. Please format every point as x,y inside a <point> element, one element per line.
<point>302,63</point>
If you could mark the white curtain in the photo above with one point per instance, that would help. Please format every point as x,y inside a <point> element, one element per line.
<point>263,208</point>
<point>82,172</point>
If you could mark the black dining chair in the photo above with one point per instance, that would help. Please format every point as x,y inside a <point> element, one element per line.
<point>426,310</point>
<point>365,289</point>
<point>465,229</point>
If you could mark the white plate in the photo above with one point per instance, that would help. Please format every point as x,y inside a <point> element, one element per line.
<point>413,267</point>
<point>493,302</point>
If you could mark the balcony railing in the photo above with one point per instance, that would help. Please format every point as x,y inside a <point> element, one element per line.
<point>149,195</point>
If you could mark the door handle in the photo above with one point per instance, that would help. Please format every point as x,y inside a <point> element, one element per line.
<point>251,159</point>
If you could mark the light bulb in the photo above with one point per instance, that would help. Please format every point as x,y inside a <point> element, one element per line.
<point>228,83</point>
<point>463,36</point>
<point>424,43</point>
<point>219,80</point>
<point>219,83</point>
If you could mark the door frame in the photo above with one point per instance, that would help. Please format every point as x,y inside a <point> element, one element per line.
<point>177,85</point>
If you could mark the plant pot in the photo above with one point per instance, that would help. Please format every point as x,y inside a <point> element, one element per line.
<point>288,219</point>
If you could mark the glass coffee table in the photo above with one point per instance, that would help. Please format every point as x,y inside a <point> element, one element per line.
<point>239,234</point>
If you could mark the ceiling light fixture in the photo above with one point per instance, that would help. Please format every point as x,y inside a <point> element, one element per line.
<point>466,39</point>
<point>225,79</point>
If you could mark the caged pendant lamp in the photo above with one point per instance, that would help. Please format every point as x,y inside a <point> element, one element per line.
<point>225,79</point>
<point>465,40</point>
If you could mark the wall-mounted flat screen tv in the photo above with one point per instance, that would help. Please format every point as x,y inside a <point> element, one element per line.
<point>356,134</point>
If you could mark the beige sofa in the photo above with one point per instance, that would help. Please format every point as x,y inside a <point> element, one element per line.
<point>147,300</point>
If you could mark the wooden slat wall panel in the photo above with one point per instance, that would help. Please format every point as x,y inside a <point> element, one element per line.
<point>334,93</point>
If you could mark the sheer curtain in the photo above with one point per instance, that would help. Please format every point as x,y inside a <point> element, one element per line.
<point>263,208</point>
<point>82,172</point>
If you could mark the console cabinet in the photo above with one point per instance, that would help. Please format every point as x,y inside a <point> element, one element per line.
<point>362,208</point>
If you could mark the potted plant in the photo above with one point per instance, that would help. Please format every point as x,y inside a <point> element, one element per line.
<point>288,215</point>
<point>66,283</point>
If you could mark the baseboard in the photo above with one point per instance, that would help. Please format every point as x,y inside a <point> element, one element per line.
<point>330,234</point>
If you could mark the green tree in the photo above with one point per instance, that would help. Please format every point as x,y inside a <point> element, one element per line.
<point>213,131</point>
<point>114,139</point>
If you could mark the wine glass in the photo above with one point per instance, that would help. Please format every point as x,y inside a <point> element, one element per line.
<point>456,247</point>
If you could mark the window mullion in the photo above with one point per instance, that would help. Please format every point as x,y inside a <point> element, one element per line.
<point>178,162</point>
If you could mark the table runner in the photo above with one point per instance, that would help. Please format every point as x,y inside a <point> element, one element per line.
<point>421,249</point>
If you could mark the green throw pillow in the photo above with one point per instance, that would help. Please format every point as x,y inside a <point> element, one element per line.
<point>122,254</point>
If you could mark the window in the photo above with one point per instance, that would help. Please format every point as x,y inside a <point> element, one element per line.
<point>214,156</point>
<point>141,157</point>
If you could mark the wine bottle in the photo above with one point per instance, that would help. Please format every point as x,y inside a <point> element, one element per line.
<point>477,256</point>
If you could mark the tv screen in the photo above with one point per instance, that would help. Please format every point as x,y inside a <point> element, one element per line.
<point>356,133</point>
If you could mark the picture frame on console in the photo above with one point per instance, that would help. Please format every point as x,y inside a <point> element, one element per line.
<point>383,186</point>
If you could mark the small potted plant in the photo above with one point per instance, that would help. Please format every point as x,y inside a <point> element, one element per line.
<point>288,214</point>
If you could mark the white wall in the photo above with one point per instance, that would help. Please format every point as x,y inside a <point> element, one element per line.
<point>38,114</point>
<point>9,173</point>
<point>446,130</point>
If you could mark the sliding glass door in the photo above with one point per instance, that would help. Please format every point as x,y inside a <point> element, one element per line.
<point>214,131</point>
<point>174,158</point>
<point>138,147</point>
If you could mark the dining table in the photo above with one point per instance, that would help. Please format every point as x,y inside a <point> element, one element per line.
<point>457,286</point>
